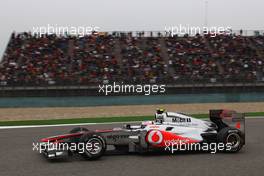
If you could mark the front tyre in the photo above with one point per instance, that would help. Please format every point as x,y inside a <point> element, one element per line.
<point>94,146</point>
<point>231,138</point>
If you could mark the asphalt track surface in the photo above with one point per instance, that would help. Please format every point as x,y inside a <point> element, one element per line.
<point>18,159</point>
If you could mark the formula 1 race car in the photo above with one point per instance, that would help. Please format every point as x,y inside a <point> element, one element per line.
<point>168,128</point>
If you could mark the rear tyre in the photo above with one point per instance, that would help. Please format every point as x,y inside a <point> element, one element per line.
<point>231,138</point>
<point>94,146</point>
<point>78,129</point>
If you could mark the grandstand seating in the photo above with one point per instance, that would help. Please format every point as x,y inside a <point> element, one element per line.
<point>31,60</point>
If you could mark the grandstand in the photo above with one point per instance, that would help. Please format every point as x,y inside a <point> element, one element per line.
<point>72,62</point>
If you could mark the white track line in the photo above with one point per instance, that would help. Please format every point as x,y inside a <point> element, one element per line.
<point>59,125</point>
<point>78,124</point>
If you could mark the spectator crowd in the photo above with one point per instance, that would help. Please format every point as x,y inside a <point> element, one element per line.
<point>105,58</point>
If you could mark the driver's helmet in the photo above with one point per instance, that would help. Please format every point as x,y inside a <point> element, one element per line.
<point>159,116</point>
<point>160,110</point>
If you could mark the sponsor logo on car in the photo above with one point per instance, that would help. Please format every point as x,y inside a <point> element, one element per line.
<point>180,119</point>
<point>155,137</point>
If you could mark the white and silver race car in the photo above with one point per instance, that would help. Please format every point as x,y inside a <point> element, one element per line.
<point>169,129</point>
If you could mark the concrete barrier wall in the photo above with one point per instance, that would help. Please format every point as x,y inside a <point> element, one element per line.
<point>129,100</point>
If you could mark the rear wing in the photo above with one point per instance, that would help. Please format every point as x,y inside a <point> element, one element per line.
<point>228,118</point>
